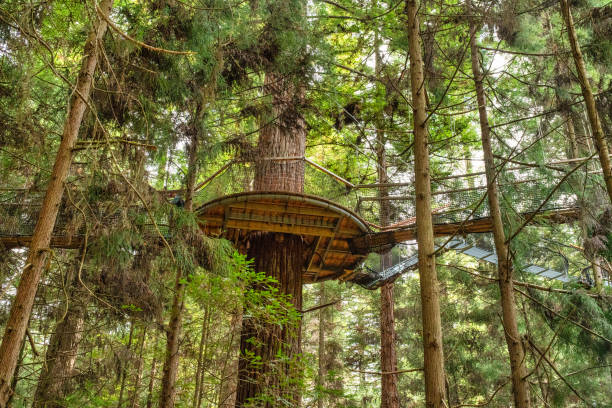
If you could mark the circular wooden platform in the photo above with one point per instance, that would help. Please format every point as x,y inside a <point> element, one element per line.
<point>325,227</point>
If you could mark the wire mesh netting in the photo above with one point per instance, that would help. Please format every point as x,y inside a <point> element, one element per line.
<point>455,198</point>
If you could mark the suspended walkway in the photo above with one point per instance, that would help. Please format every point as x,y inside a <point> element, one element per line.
<point>370,279</point>
<point>338,239</point>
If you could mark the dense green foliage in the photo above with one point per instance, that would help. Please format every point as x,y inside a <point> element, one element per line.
<point>133,153</point>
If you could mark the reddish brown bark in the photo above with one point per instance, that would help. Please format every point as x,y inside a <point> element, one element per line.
<point>279,255</point>
<point>520,387</point>
<point>435,391</point>
<point>388,359</point>
<point>39,248</point>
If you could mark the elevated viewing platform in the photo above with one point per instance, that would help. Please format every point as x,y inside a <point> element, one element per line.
<point>338,239</point>
<point>327,228</point>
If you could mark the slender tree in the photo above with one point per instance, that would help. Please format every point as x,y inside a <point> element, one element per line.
<point>589,99</point>
<point>321,348</point>
<point>520,385</point>
<point>435,391</point>
<point>39,248</point>
<point>388,358</point>
<point>173,333</point>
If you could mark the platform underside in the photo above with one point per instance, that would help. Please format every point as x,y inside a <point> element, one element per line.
<point>326,227</point>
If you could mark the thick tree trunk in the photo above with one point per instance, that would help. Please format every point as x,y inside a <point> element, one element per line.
<point>273,378</point>
<point>283,134</point>
<point>520,386</point>
<point>39,248</point>
<point>435,392</point>
<point>589,100</point>
<point>57,371</point>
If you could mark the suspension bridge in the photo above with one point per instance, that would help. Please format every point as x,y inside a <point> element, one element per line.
<point>338,239</point>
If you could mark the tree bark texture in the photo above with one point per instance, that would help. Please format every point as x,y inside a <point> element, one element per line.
<point>589,100</point>
<point>124,366</point>
<point>280,256</point>
<point>388,359</point>
<point>58,369</point>
<point>39,248</point>
<point>265,382</point>
<point>283,134</point>
<point>435,392</point>
<point>520,386</point>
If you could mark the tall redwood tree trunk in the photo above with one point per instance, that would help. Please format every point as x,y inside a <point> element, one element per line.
<point>280,256</point>
<point>435,391</point>
<point>39,248</point>
<point>520,386</point>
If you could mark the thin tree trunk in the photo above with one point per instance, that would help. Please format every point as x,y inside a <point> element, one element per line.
<point>229,381</point>
<point>39,248</point>
<point>279,255</point>
<point>138,374</point>
<point>321,348</point>
<point>152,375</point>
<point>435,392</point>
<point>192,167</point>
<point>171,361</point>
<point>200,365</point>
<point>563,75</point>
<point>589,100</point>
<point>520,385</point>
<point>124,366</point>
<point>388,359</point>
<point>57,371</point>
<point>173,333</point>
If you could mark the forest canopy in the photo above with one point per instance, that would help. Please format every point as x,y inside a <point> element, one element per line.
<point>287,203</point>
